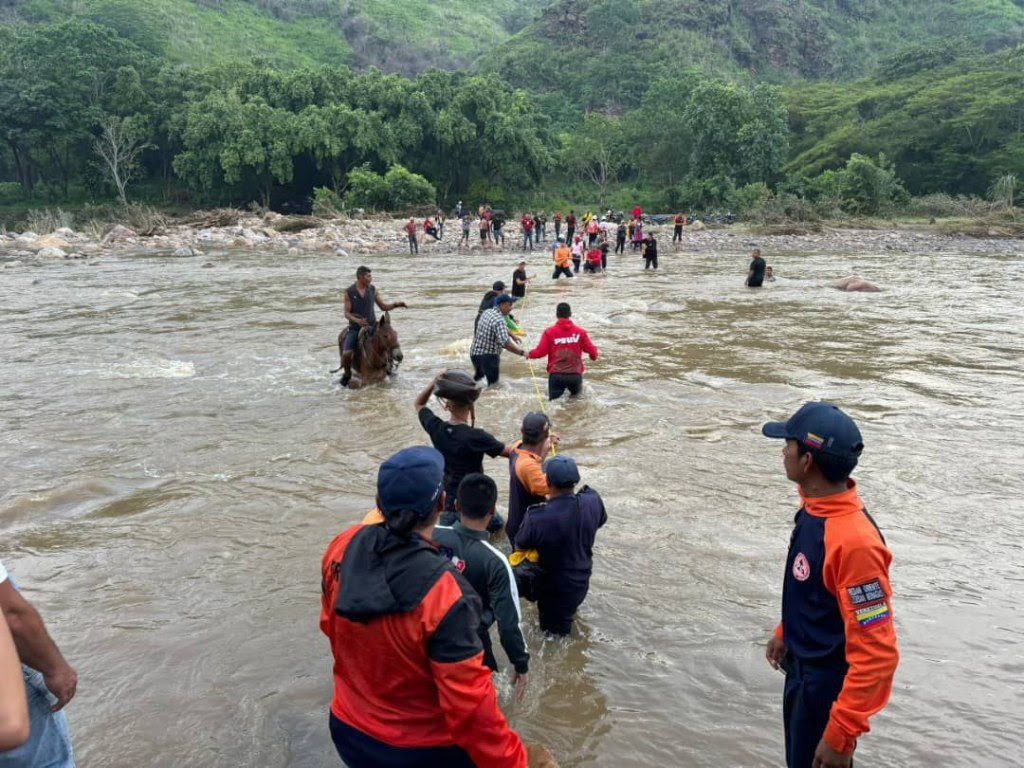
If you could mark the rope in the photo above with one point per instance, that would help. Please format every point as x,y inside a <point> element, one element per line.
<point>533,373</point>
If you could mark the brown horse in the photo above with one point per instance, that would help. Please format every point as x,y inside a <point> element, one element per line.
<point>377,352</point>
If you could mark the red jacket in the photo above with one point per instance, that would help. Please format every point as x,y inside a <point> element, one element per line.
<point>408,664</point>
<point>564,344</point>
<point>526,223</point>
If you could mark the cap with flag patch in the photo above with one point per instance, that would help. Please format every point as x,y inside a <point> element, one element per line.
<point>821,427</point>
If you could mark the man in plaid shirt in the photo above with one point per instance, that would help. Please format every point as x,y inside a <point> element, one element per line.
<point>490,338</point>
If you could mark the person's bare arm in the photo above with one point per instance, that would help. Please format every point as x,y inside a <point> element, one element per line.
<point>385,307</point>
<point>35,646</point>
<point>424,396</point>
<point>13,704</point>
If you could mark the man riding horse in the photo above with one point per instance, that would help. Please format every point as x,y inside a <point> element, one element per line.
<point>360,298</point>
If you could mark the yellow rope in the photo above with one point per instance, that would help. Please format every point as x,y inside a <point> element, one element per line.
<point>533,373</point>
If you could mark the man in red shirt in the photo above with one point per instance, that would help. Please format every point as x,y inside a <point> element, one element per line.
<point>410,230</point>
<point>410,686</point>
<point>526,224</point>
<point>563,344</point>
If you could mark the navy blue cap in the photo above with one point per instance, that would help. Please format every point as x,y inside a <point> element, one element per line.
<point>502,299</point>
<point>821,427</point>
<point>411,479</point>
<point>561,471</point>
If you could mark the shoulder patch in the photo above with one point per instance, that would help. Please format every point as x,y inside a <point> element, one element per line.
<point>868,592</point>
<point>870,615</point>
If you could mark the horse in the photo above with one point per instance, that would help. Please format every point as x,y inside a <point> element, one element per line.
<point>377,352</point>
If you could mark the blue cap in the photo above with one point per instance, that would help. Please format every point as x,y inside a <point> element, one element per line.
<point>561,471</point>
<point>502,299</point>
<point>411,479</point>
<point>820,427</point>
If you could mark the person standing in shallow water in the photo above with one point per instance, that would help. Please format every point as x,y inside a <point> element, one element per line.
<point>459,440</point>
<point>836,641</point>
<point>562,530</point>
<point>755,274</point>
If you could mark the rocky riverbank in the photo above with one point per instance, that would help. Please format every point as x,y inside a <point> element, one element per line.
<point>227,230</point>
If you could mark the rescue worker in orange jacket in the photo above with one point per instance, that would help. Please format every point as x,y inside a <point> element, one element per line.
<point>410,687</point>
<point>836,641</point>
<point>528,485</point>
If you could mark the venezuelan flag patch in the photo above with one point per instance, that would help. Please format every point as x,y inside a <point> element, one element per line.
<point>870,615</point>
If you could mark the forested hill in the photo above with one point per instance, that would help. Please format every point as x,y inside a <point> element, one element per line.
<point>602,54</point>
<point>406,36</point>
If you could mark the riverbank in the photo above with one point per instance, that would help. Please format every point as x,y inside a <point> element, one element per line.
<point>206,232</point>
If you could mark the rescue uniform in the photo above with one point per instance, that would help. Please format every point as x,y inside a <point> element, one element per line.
<point>527,486</point>
<point>836,624</point>
<point>490,574</point>
<point>410,687</point>
<point>562,530</point>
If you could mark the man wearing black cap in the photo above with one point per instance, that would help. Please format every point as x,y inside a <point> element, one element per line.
<point>836,641</point>
<point>491,336</point>
<point>528,484</point>
<point>402,622</point>
<point>562,530</point>
<point>487,569</point>
<point>487,302</point>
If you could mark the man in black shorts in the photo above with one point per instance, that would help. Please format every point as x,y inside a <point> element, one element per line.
<point>360,299</point>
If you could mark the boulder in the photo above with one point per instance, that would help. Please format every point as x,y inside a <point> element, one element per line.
<point>66,232</point>
<point>341,252</point>
<point>697,226</point>
<point>49,241</point>
<point>184,251</point>
<point>51,252</point>
<point>118,233</point>
<point>27,237</point>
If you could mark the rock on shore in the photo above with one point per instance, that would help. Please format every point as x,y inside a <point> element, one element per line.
<point>357,238</point>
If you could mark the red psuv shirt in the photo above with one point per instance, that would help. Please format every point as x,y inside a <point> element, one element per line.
<point>564,344</point>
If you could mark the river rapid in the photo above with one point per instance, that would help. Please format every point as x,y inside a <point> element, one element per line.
<point>175,458</point>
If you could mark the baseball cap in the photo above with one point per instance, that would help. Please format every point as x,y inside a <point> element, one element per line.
<point>535,424</point>
<point>821,427</point>
<point>498,286</point>
<point>561,471</point>
<point>411,479</point>
<point>503,299</point>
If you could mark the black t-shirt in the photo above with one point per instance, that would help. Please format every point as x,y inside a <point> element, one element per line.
<point>463,448</point>
<point>518,290</point>
<point>757,269</point>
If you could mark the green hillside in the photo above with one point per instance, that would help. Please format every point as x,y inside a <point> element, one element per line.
<point>601,54</point>
<point>394,35</point>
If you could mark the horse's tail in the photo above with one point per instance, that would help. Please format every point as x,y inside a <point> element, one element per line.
<point>341,351</point>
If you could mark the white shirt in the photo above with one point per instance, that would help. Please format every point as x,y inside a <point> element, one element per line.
<point>3,572</point>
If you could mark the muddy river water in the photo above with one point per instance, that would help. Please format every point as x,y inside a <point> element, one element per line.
<point>175,458</point>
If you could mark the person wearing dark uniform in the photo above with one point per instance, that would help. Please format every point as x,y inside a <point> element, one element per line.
<point>519,281</point>
<point>360,299</point>
<point>528,485</point>
<point>650,252</point>
<point>410,686</point>
<point>497,288</point>
<point>836,641</point>
<point>487,569</point>
<point>755,275</point>
<point>459,440</point>
<point>562,530</point>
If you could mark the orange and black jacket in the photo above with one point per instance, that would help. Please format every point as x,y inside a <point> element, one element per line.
<point>837,608</point>
<point>408,663</point>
